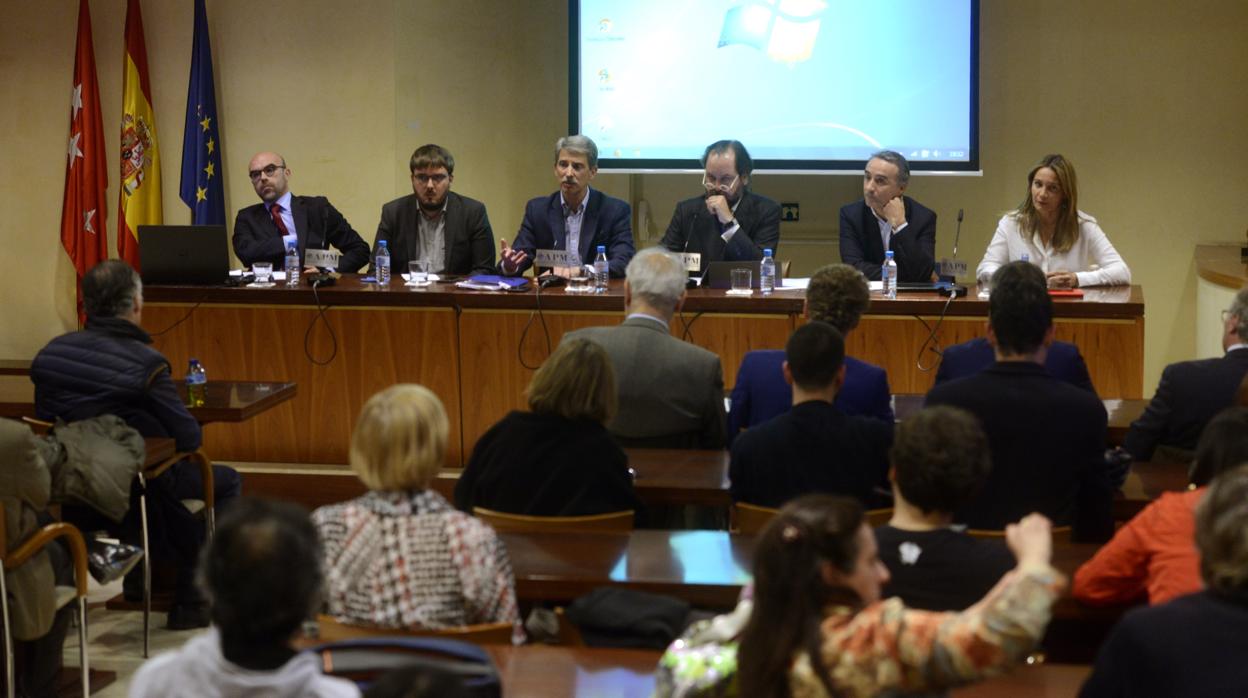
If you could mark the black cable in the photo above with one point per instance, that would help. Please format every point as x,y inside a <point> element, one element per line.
<point>525,332</point>
<point>687,333</point>
<point>931,336</point>
<point>307,335</point>
<point>181,320</point>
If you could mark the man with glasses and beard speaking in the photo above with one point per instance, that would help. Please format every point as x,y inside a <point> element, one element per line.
<point>729,223</point>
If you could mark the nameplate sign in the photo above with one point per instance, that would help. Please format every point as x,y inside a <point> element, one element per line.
<point>325,259</point>
<point>692,261</point>
<point>953,267</point>
<point>557,258</point>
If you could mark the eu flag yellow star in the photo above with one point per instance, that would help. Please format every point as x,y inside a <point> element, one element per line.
<point>211,169</point>
<point>211,145</point>
<point>200,194</point>
<point>206,122</point>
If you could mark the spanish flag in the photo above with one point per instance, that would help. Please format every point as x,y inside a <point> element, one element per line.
<point>140,158</point>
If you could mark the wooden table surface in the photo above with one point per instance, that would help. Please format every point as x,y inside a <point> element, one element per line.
<point>225,401</point>
<point>14,367</point>
<point>541,671</point>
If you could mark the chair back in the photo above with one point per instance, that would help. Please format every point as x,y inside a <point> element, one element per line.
<point>749,519</point>
<point>611,522</point>
<point>1061,534</point>
<point>333,630</point>
<point>39,426</point>
<point>367,660</point>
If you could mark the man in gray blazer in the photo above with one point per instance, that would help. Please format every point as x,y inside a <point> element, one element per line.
<point>671,392</point>
<point>451,233</point>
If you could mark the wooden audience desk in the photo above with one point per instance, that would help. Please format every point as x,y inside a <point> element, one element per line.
<point>225,401</point>
<point>476,349</point>
<point>540,671</point>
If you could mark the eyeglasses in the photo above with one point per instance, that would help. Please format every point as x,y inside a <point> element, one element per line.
<point>268,171</point>
<point>1226,315</point>
<point>425,179</point>
<point>720,184</point>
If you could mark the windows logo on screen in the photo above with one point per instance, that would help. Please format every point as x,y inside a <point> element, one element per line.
<point>785,29</point>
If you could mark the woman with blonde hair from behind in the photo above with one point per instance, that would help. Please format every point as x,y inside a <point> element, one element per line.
<point>558,458</point>
<point>400,556</point>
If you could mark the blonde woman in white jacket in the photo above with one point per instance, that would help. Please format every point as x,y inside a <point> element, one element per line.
<point>1048,227</point>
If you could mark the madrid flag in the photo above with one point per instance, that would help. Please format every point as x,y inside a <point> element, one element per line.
<point>83,233</point>
<point>140,158</point>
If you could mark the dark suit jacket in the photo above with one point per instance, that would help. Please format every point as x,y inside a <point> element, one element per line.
<point>813,447</point>
<point>671,392</point>
<point>469,239</point>
<point>608,221</point>
<point>546,465</point>
<point>1047,440</point>
<point>914,248</point>
<point>761,393</point>
<point>1189,395</point>
<point>1063,362</point>
<point>694,229</point>
<point>317,223</point>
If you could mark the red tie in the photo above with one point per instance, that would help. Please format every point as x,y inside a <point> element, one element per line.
<point>276,210</point>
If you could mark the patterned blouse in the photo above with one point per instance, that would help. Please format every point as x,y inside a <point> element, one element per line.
<point>409,559</point>
<point>884,648</point>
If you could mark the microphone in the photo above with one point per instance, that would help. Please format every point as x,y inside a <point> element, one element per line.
<point>951,268</point>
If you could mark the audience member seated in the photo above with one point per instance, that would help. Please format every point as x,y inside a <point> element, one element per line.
<point>1154,554</point>
<point>1047,437</point>
<point>401,556</point>
<point>1193,645</point>
<point>110,367</point>
<point>1062,361</point>
<point>837,295</point>
<point>817,586</point>
<point>1191,392</point>
<point>813,447</point>
<point>671,392</point>
<point>262,573</point>
<point>557,459</point>
<point>940,462</point>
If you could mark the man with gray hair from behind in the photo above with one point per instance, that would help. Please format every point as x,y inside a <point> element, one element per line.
<point>671,393</point>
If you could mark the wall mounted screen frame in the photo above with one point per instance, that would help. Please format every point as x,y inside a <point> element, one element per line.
<point>625,77</point>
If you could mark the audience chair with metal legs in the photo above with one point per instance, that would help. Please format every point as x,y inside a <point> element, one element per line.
<point>12,559</point>
<point>195,506</point>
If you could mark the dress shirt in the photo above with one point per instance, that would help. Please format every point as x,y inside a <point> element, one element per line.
<point>886,230</point>
<point>1092,247</point>
<point>652,318</point>
<point>572,222</point>
<point>292,236</point>
<point>433,240</point>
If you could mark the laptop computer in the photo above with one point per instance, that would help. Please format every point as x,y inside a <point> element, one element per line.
<point>183,254</point>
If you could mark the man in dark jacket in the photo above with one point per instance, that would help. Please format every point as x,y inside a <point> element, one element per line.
<point>110,368</point>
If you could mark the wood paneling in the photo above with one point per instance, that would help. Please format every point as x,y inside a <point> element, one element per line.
<point>376,348</point>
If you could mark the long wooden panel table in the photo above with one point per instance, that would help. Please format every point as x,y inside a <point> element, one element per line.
<point>477,349</point>
<point>224,401</point>
<point>539,671</point>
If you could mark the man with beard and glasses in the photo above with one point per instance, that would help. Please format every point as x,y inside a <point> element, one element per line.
<point>575,218</point>
<point>450,233</point>
<point>729,223</point>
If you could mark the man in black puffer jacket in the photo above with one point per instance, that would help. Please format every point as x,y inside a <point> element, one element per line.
<point>110,368</point>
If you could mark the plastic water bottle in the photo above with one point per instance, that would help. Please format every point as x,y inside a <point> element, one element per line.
<point>767,273</point>
<point>292,267</point>
<point>382,265</point>
<point>601,270</point>
<point>196,384</point>
<point>888,274</point>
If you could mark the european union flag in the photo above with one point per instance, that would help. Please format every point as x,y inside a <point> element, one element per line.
<point>201,140</point>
